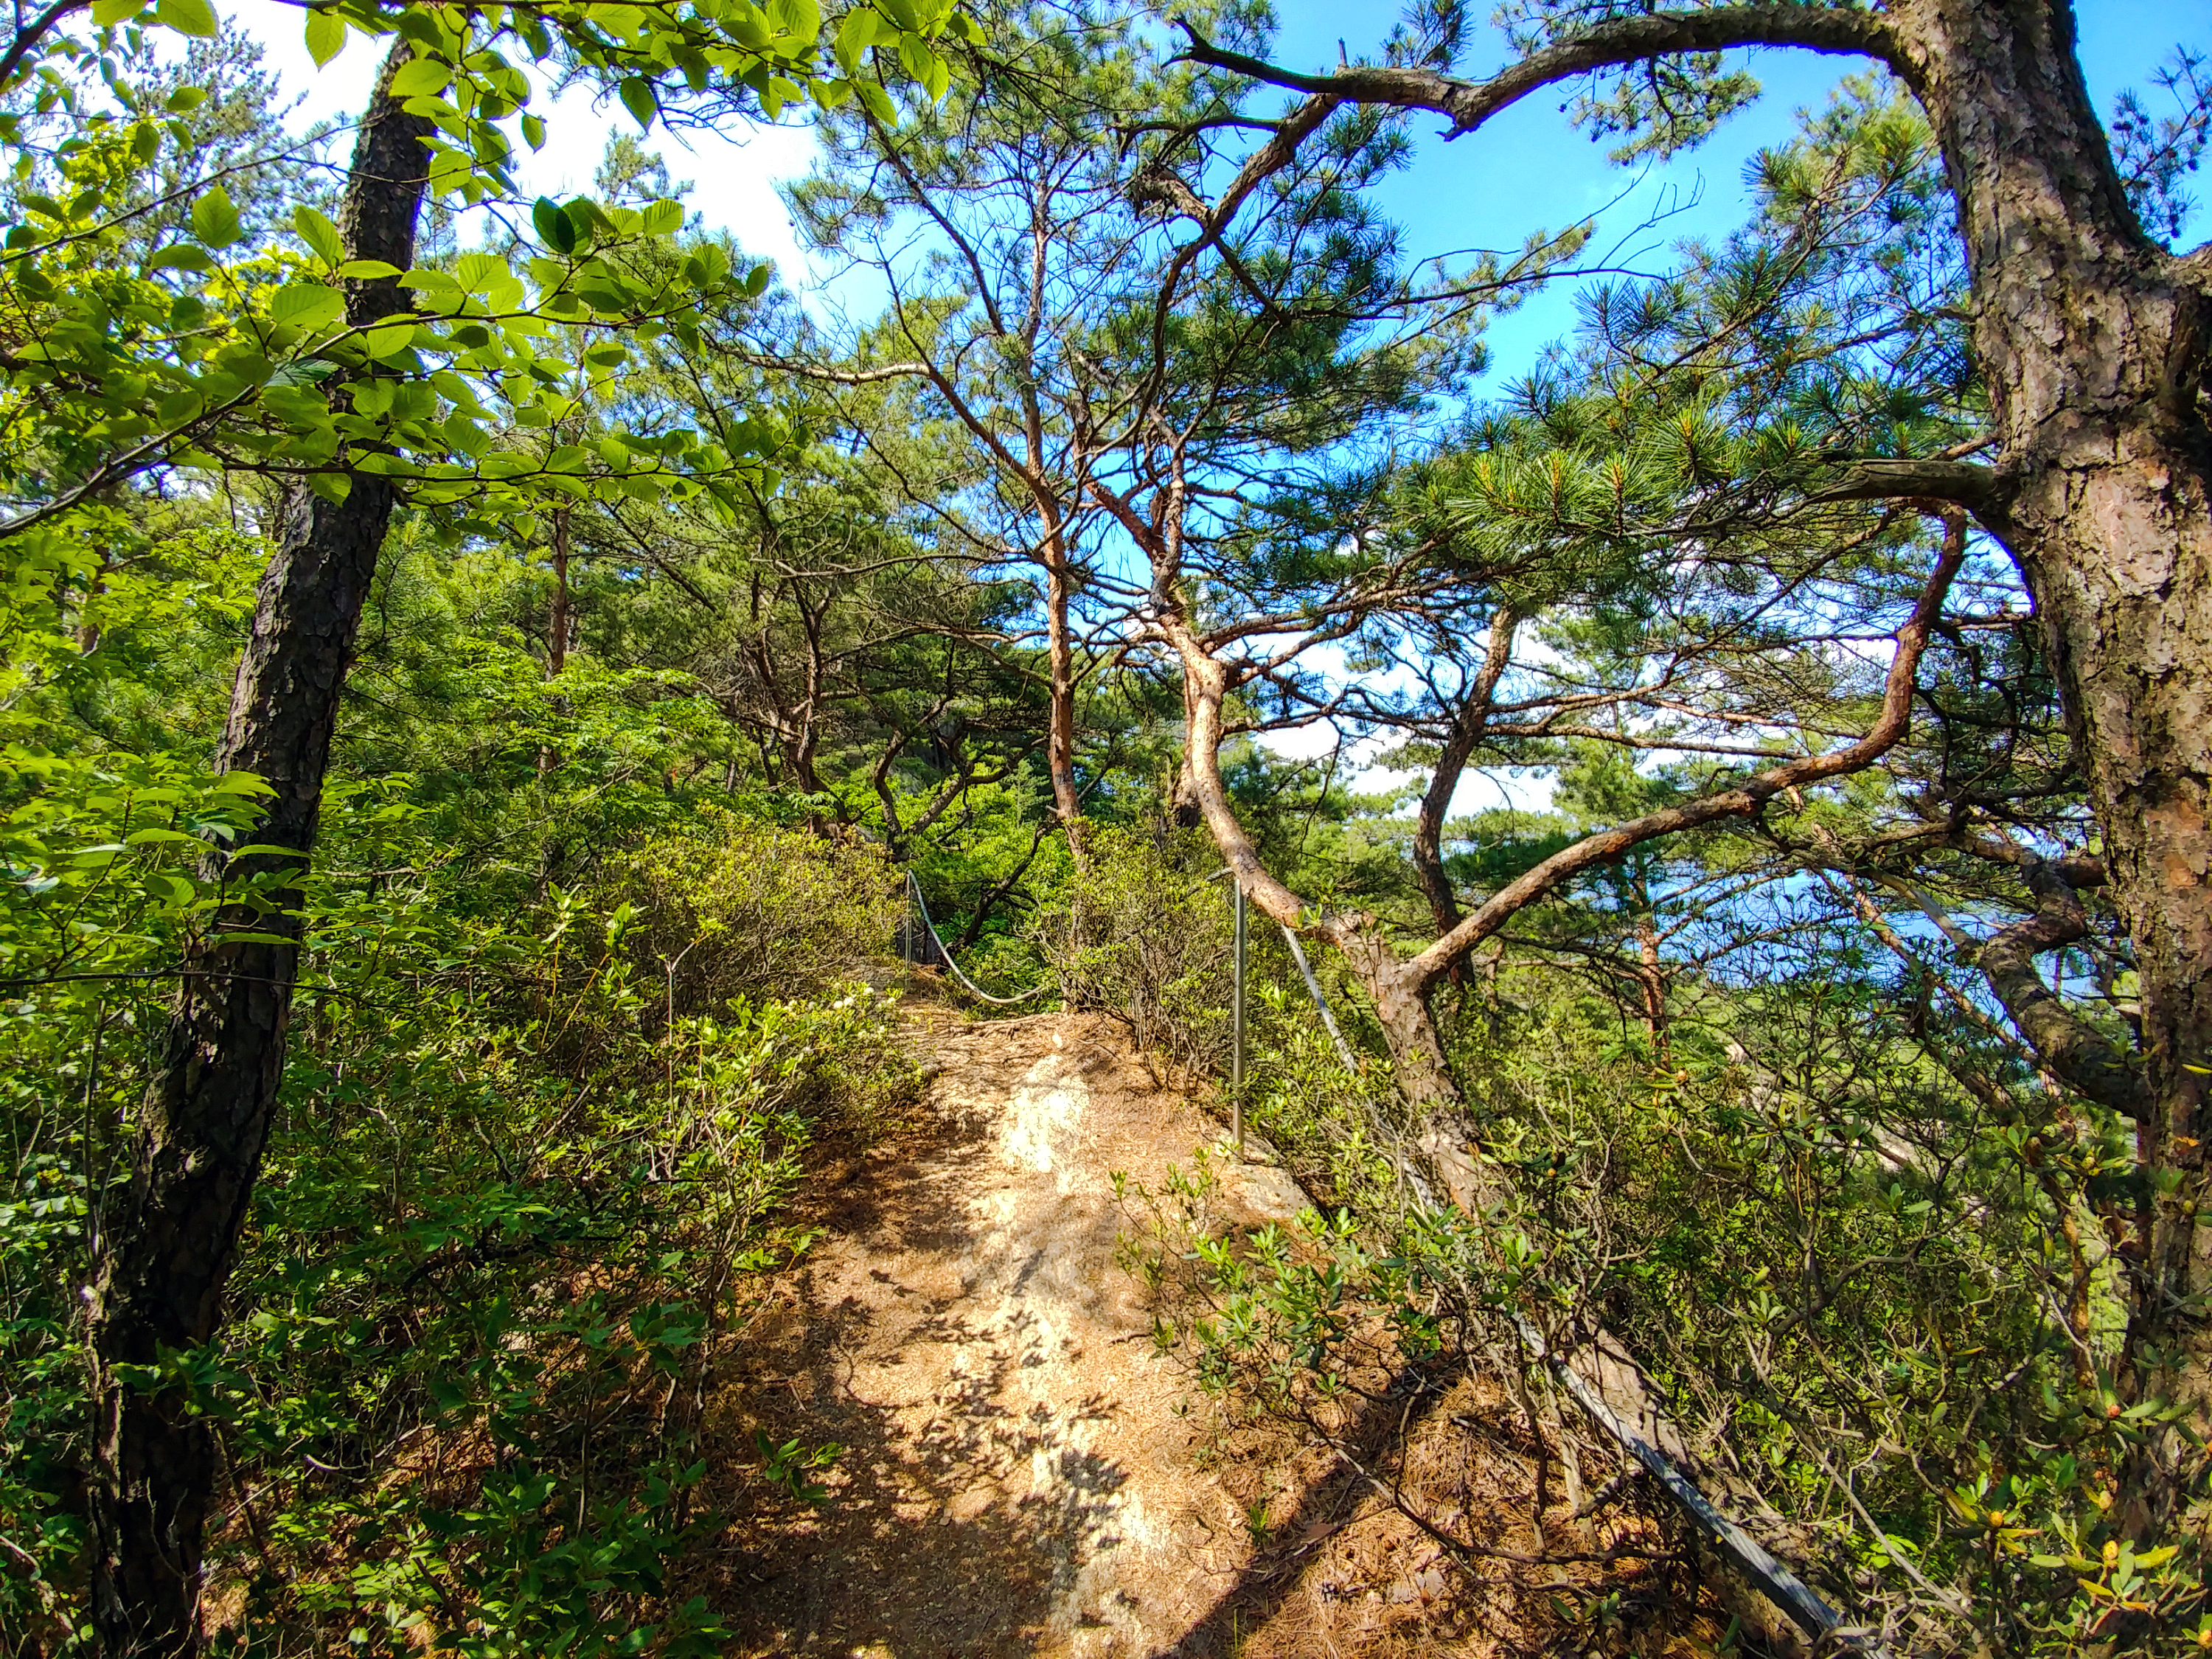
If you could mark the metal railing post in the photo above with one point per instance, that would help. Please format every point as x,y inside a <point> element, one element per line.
<point>1236,1032</point>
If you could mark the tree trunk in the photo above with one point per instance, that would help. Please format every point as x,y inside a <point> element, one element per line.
<point>556,625</point>
<point>1060,738</point>
<point>2094,344</point>
<point>556,641</point>
<point>1466,728</point>
<point>1400,989</point>
<point>166,1254</point>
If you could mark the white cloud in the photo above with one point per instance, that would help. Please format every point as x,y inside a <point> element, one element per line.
<point>734,172</point>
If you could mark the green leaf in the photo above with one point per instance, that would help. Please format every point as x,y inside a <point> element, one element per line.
<point>639,98</point>
<point>307,305</point>
<point>179,256</point>
<point>367,270</point>
<point>390,340</point>
<point>663,218</point>
<point>184,98</point>
<point>855,33</point>
<point>533,131</point>
<point>319,233</point>
<point>106,13</point>
<point>326,36</point>
<point>215,219</point>
<point>555,228</point>
<point>422,78</point>
<point>194,17</point>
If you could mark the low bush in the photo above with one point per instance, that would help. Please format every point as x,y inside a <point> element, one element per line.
<point>460,1397</point>
<point>733,908</point>
<point>1143,933</point>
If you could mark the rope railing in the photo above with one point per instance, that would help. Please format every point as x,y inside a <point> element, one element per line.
<point>1828,1629</point>
<point>967,984</point>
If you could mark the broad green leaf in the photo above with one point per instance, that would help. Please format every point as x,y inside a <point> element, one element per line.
<point>106,13</point>
<point>555,228</point>
<point>663,218</point>
<point>319,233</point>
<point>326,36</point>
<point>307,305</point>
<point>390,340</point>
<point>855,33</point>
<point>215,219</point>
<point>179,256</point>
<point>194,17</point>
<point>639,98</point>
<point>367,270</point>
<point>533,131</point>
<point>422,78</point>
<point>184,98</point>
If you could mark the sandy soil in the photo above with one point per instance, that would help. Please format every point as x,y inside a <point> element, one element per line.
<point>1022,1473</point>
<point>1017,1476</point>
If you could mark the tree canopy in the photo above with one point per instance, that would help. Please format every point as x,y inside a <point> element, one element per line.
<point>484,676</point>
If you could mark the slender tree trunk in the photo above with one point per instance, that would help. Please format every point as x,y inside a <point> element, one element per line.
<point>1401,985</point>
<point>1651,980</point>
<point>168,1249</point>
<point>1399,990</point>
<point>2094,343</point>
<point>556,625</point>
<point>556,642</point>
<point>1468,721</point>
<point>1060,740</point>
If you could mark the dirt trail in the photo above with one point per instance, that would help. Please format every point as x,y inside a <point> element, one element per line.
<point>1017,1475</point>
<point>1023,1475</point>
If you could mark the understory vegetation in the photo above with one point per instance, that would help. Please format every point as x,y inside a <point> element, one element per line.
<point>484,678</point>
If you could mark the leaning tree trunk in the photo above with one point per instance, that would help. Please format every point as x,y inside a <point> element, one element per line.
<point>1059,730</point>
<point>1465,733</point>
<point>159,1280</point>
<point>2094,343</point>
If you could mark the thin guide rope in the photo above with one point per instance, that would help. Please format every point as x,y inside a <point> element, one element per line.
<point>968,984</point>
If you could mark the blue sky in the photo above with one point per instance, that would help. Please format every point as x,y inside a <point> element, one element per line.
<point>1526,169</point>
<point>1529,167</point>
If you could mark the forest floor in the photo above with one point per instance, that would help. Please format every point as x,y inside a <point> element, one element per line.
<point>1022,1473</point>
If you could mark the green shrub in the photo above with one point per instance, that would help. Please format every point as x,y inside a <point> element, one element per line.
<point>1144,933</point>
<point>509,1216</point>
<point>731,909</point>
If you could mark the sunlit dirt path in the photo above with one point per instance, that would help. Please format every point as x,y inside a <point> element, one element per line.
<point>1018,1475</point>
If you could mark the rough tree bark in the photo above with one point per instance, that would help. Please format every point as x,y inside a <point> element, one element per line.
<point>556,625</point>
<point>2094,346</point>
<point>164,1259</point>
<point>1059,738</point>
